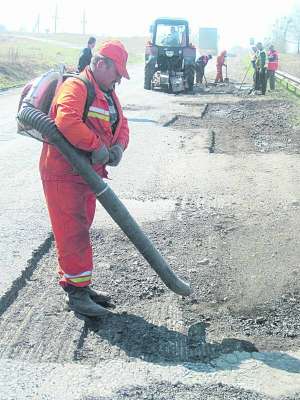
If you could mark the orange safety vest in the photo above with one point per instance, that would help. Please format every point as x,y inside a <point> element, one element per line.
<point>272,60</point>
<point>67,111</point>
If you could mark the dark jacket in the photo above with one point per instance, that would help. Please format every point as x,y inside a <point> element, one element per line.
<point>202,60</point>
<point>84,59</point>
<point>261,59</point>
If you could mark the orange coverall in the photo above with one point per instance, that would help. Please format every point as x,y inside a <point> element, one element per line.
<point>220,63</point>
<point>71,203</point>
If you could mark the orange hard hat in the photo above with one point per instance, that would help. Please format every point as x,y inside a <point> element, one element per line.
<point>116,51</point>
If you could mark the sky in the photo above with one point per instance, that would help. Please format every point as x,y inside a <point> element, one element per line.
<point>236,21</point>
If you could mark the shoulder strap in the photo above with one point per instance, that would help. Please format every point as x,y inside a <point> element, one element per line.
<point>90,92</point>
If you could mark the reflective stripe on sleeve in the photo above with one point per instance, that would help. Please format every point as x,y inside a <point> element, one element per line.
<point>99,110</point>
<point>98,115</point>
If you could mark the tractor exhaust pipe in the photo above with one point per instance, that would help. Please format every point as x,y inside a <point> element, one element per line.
<point>105,195</point>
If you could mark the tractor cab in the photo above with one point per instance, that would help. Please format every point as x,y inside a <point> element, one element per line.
<point>169,33</point>
<point>169,56</point>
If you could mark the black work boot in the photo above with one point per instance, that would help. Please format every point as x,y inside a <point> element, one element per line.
<point>101,298</point>
<point>79,301</point>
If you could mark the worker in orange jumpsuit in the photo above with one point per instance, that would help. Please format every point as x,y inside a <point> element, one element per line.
<point>220,63</point>
<point>104,135</point>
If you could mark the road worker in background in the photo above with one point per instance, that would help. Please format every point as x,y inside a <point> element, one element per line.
<point>201,63</point>
<point>253,57</point>
<point>86,54</point>
<point>172,39</point>
<point>221,61</point>
<point>272,66</point>
<point>260,69</point>
<point>71,204</point>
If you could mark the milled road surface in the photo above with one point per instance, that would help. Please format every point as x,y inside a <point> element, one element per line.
<point>213,180</point>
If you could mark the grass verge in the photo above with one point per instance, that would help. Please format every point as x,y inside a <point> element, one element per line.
<point>25,56</point>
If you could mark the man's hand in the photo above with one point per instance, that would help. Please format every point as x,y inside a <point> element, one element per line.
<point>115,155</point>
<point>100,155</point>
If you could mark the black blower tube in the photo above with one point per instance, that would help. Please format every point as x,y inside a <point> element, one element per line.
<point>105,195</point>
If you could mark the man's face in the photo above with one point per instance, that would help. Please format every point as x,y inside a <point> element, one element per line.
<point>106,76</point>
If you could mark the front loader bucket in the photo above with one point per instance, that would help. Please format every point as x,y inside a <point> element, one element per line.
<point>105,195</point>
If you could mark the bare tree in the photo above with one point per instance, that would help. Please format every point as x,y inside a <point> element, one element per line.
<point>294,29</point>
<point>280,31</point>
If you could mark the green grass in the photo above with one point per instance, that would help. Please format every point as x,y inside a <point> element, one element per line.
<point>22,58</point>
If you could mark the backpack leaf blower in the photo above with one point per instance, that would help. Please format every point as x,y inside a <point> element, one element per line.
<point>42,123</point>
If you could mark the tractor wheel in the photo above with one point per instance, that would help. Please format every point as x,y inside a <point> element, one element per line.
<point>148,77</point>
<point>190,77</point>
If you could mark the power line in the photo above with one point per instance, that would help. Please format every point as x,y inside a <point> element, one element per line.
<point>55,19</point>
<point>36,27</point>
<point>84,22</point>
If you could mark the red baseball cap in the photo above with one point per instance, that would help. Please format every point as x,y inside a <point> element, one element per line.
<point>115,50</point>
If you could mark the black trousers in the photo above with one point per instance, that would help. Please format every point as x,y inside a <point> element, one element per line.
<point>271,77</point>
<point>199,73</point>
<point>261,80</point>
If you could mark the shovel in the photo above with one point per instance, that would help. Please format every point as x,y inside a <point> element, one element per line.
<point>226,79</point>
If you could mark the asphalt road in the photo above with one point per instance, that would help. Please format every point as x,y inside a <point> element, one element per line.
<point>225,220</point>
<point>24,222</point>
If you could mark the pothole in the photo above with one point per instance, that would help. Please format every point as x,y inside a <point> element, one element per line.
<point>150,323</point>
<point>168,390</point>
<point>219,110</point>
<point>186,122</point>
<point>128,335</point>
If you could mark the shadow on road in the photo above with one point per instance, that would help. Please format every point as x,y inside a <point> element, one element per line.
<point>139,338</point>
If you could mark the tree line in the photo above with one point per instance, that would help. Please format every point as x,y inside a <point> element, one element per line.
<point>285,33</point>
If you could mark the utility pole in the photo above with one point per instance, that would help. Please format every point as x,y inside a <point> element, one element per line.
<point>36,27</point>
<point>84,22</point>
<point>55,19</point>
